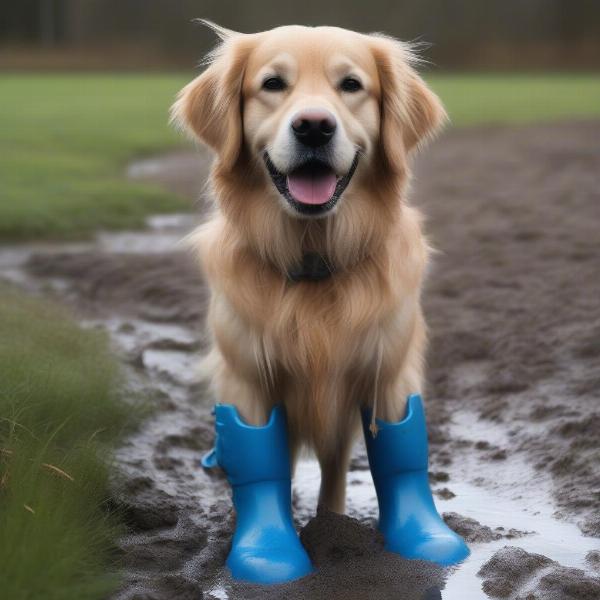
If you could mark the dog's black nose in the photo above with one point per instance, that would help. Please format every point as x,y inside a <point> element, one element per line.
<point>314,128</point>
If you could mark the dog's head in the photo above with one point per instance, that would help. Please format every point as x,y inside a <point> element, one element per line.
<point>317,113</point>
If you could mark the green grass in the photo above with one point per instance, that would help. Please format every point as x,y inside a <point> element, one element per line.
<point>65,139</point>
<point>59,409</point>
<point>477,99</point>
<point>64,144</point>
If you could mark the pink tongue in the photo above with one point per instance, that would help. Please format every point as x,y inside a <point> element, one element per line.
<point>312,188</point>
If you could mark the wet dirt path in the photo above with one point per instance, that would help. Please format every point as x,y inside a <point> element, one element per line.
<point>513,400</point>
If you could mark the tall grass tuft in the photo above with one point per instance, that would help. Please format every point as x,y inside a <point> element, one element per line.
<point>60,412</point>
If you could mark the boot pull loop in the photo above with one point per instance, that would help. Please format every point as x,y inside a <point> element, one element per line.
<point>373,428</point>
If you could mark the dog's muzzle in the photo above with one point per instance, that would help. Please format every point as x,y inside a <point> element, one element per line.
<point>313,188</point>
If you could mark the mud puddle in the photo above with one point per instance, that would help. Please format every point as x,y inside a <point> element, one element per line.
<point>513,501</point>
<point>509,503</point>
<point>513,401</point>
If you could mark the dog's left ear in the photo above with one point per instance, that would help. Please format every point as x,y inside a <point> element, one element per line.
<point>210,107</point>
<point>410,112</point>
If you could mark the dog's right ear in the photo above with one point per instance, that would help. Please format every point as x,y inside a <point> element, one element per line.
<point>210,107</point>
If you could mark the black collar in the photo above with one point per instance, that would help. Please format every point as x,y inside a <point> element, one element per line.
<point>314,267</point>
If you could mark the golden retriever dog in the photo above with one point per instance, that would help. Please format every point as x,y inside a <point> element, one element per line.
<point>314,256</point>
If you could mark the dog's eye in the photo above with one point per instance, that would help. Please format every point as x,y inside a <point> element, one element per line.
<point>350,84</point>
<point>274,84</point>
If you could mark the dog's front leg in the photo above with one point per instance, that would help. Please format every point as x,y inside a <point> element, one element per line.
<point>400,370</point>
<point>396,440</point>
<point>249,398</point>
<point>253,449</point>
<point>237,370</point>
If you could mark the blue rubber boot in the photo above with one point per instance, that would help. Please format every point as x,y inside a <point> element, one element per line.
<point>265,546</point>
<point>408,519</point>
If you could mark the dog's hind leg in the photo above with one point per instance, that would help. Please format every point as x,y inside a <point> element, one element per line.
<point>334,459</point>
<point>334,466</point>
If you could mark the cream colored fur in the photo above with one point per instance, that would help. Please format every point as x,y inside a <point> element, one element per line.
<point>323,349</point>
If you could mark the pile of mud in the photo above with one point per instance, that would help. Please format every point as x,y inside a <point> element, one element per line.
<point>351,564</point>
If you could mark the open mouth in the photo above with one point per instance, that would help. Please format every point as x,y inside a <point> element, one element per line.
<point>313,188</point>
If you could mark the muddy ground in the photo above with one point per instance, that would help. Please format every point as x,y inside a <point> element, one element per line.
<point>513,305</point>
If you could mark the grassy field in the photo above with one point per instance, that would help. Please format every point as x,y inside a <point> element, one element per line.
<point>504,99</point>
<point>66,139</point>
<point>59,413</point>
<point>64,144</point>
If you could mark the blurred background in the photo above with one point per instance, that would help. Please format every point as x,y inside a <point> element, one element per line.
<point>86,84</point>
<point>496,34</point>
<point>101,418</point>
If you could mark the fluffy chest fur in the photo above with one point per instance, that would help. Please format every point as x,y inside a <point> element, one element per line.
<point>314,345</point>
